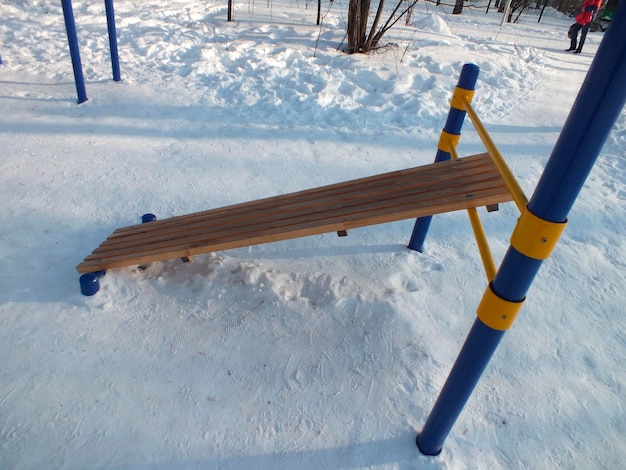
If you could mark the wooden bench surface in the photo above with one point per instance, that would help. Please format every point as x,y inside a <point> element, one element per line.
<point>426,190</point>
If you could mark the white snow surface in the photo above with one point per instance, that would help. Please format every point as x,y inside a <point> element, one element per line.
<point>314,353</point>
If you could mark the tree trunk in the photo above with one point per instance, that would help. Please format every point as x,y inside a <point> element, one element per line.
<point>359,41</point>
<point>370,43</point>
<point>358,11</point>
<point>319,12</point>
<point>458,7</point>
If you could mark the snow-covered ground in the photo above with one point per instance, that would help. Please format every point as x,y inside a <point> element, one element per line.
<point>320,352</point>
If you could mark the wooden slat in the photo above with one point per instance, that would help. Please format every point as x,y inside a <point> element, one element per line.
<point>305,203</point>
<point>416,192</point>
<point>282,212</point>
<point>316,198</point>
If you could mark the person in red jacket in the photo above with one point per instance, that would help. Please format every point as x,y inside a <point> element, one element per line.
<point>583,20</point>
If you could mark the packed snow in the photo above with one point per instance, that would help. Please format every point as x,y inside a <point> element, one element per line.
<point>315,353</point>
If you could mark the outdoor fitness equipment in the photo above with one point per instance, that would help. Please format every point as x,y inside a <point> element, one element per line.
<point>543,218</point>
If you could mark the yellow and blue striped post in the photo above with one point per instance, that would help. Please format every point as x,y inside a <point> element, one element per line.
<point>597,107</point>
<point>450,136</point>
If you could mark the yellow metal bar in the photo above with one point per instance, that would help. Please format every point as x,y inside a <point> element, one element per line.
<point>509,179</point>
<point>453,152</point>
<point>479,233</point>
<point>483,246</point>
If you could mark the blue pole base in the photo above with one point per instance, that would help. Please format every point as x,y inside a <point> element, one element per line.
<point>427,452</point>
<point>420,230</point>
<point>90,283</point>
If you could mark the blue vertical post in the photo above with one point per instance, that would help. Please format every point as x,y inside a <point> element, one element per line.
<point>70,28</point>
<point>451,133</point>
<point>115,60</point>
<point>597,107</point>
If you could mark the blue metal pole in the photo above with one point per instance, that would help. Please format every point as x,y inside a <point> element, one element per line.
<point>115,60</point>
<point>597,107</point>
<point>452,129</point>
<point>70,28</point>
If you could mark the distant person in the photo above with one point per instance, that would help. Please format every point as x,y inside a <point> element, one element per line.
<point>583,20</point>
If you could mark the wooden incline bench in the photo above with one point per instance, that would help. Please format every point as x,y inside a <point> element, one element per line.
<point>426,190</point>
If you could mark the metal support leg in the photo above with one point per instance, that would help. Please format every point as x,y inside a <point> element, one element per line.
<point>70,28</point>
<point>115,60</point>
<point>595,111</point>
<point>449,136</point>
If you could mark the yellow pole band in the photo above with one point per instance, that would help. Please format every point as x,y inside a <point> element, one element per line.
<point>497,313</point>
<point>447,140</point>
<point>483,245</point>
<point>507,175</point>
<point>536,237</point>
<point>459,97</point>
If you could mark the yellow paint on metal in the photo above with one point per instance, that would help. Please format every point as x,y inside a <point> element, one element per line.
<point>459,97</point>
<point>509,179</point>
<point>479,234</point>
<point>483,246</point>
<point>453,153</point>
<point>447,141</point>
<point>496,312</point>
<point>536,237</point>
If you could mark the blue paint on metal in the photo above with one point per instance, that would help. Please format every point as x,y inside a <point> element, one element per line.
<point>469,366</point>
<point>115,60</point>
<point>89,284</point>
<point>513,284</point>
<point>70,28</point>
<point>587,127</point>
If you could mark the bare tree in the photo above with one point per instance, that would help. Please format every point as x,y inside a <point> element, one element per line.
<point>362,40</point>
<point>458,7</point>
<point>517,6</point>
